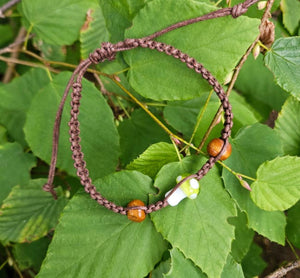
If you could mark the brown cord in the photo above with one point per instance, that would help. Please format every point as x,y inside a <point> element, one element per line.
<point>108,52</point>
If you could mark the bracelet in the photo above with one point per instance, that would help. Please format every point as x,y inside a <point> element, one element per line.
<point>187,184</point>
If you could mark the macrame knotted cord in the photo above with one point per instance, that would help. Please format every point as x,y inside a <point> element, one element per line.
<point>108,51</point>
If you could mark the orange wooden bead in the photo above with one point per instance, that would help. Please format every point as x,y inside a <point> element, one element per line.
<point>136,215</point>
<point>214,147</point>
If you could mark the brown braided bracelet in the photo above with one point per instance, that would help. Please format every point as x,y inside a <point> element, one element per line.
<point>136,210</point>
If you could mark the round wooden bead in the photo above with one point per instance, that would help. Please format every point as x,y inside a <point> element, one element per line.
<point>136,215</point>
<point>214,147</point>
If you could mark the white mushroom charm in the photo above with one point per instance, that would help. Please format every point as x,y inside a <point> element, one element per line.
<point>189,188</point>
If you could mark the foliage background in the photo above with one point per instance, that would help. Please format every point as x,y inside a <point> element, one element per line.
<point>132,109</point>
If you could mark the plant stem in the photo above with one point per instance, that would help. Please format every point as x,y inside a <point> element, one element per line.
<point>7,6</point>
<point>292,248</point>
<point>235,173</point>
<point>176,149</point>
<point>4,264</point>
<point>201,116</point>
<point>284,270</point>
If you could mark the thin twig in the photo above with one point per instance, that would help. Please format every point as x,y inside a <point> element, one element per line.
<point>284,270</point>
<point>237,70</point>
<point>10,47</point>
<point>11,66</point>
<point>7,6</point>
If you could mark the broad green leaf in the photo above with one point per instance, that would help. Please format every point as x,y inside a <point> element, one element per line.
<point>15,166</point>
<point>284,61</point>
<point>198,228</point>
<point>31,255</point>
<point>110,244</point>
<point>162,269</point>
<point>29,213</point>
<point>253,264</point>
<point>256,84</point>
<point>93,33</point>
<point>49,51</point>
<point>183,115</point>
<point>99,138</point>
<point>137,134</point>
<point>293,225</point>
<point>252,146</point>
<point>290,14</point>
<point>232,269</point>
<point>3,135</point>
<point>118,15</point>
<point>277,185</point>
<point>16,98</point>
<point>243,236</point>
<point>151,160</point>
<point>182,267</point>
<point>287,125</point>
<point>157,76</point>
<point>56,22</point>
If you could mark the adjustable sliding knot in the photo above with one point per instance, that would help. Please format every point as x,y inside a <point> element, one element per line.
<point>106,52</point>
<point>238,10</point>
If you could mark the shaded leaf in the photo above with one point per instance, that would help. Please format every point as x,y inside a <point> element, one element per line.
<point>29,213</point>
<point>137,134</point>
<point>284,61</point>
<point>16,98</point>
<point>256,84</point>
<point>199,227</point>
<point>253,264</point>
<point>252,146</point>
<point>290,14</point>
<point>293,225</point>
<point>162,268</point>
<point>277,185</point>
<point>182,267</point>
<point>157,76</point>
<point>31,255</point>
<point>232,269</point>
<point>110,244</point>
<point>92,35</point>
<point>56,22</point>
<point>99,138</point>
<point>15,167</point>
<point>243,236</point>
<point>151,160</point>
<point>287,125</point>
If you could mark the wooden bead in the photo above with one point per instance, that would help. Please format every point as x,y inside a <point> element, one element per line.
<point>214,147</point>
<point>136,215</point>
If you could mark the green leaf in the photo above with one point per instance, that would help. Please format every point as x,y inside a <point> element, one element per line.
<point>256,84</point>
<point>252,146</point>
<point>182,267</point>
<point>151,160</point>
<point>293,225</point>
<point>7,34</point>
<point>3,136</point>
<point>284,61</point>
<point>110,244</point>
<point>56,22</point>
<point>232,269</point>
<point>118,16</point>
<point>16,98</point>
<point>287,125</point>
<point>99,138</point>
<point>162,268</point>
<point>277,186</point>
<point>183,115</point>
<point>137,134</point>
<point>198,228</point>
<point>253,264</point>
<point>31,255</point>
<point>29,213</point>
<point>243,236</point>
<point>15,167</point>
<point>94,33</point>
<point>291,14</point>
<point>157,76</point>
